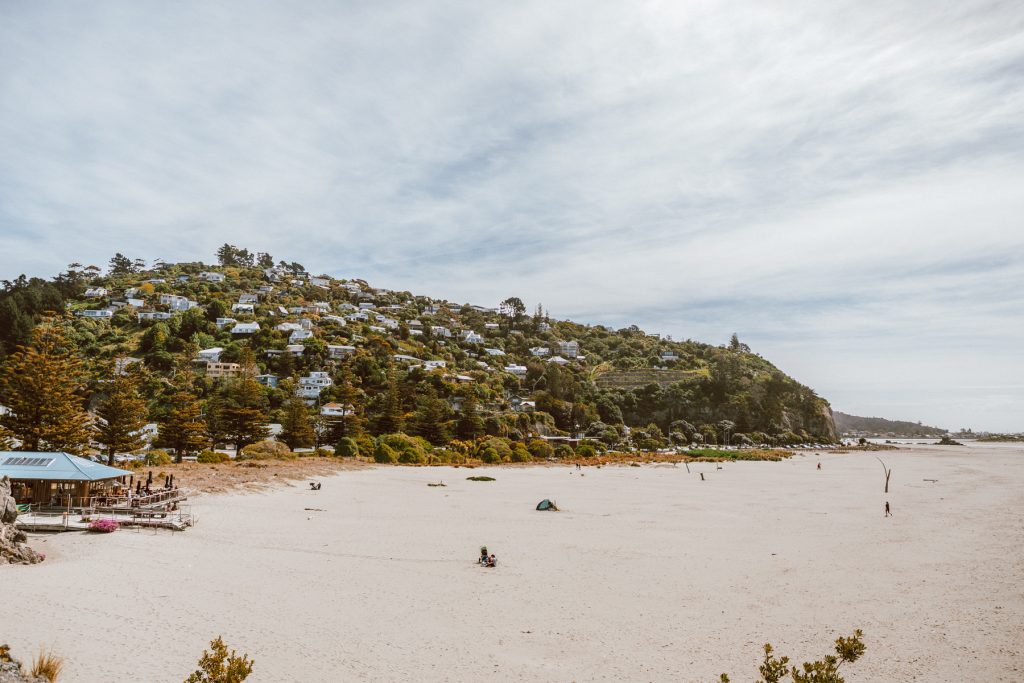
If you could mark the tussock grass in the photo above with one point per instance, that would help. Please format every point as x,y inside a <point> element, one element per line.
<point>48,665</point>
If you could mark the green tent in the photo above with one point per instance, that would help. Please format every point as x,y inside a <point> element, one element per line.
<point>546,505</point>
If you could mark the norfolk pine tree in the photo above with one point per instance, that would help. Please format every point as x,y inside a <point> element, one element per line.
<point>296,424</point>
<point>39,384</point>
<point>183,429</point>
<point>122,416</point>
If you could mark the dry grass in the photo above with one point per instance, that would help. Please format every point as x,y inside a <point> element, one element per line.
<point>251,475</point>
<point>47,665</point>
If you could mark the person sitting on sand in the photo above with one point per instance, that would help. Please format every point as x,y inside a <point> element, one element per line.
<point>483,555</point>
<point>492,561</point>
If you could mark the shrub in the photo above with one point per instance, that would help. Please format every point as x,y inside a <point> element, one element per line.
<point>520,453</point>
<point>480,479</point>
<point>540,449</point>
<point>586,450</point>
<point>104,526</point>
<point>48,666</point>
<point>158,457</point>
<point>564,451</point>
<point>411,450</point>
<point>502,449</point>
<point>347,447</point>
<point>212,457</point>
<point>490,455</point>
<point>263,450</point>
<point>220,667</point>
<point>384,453</point>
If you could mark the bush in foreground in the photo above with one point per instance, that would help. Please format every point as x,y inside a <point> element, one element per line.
<point>48,665</point>
<point>221,667</point>
<point>264,450</point>
<point>212,457</point>
<point>826,670</point>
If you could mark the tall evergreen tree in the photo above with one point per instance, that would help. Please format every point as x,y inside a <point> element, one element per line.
<point>296,424</point>
<point>183,429</point>
<point>245,413</point>
<point>391,418</point>
<point>122,416</point>
<point>40,385</point>
<point>470,425</point>
<point>121,265</point>
<point>431,420</point>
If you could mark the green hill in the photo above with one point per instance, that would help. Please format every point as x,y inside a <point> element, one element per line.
<point>406,360</point>
<point>877,426</point>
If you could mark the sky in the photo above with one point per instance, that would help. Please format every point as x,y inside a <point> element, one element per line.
<point>841,183</point>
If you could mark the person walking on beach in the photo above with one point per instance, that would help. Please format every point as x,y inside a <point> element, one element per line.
<point>819,465</point>
<point>888,512</point>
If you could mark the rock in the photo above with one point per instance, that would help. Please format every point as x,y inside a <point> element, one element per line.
<point>12,541</point>
<point>11,671</point>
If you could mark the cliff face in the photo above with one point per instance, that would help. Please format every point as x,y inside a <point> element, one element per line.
<point>12,542</point>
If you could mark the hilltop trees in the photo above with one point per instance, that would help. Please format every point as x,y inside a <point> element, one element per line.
<point>122,415</point>
<point>296,424</point>
<point>40,384</point>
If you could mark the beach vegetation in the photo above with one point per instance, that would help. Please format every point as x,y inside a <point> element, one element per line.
<point>775,669</point>
<point>47,665</point>
<point>217,665</point>
<point>209,457</point>
<point>347,447</point>
<point>157,457</point>
<point>265,450</point>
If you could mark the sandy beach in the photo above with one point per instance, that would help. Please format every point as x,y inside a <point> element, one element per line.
<point>647,574</point>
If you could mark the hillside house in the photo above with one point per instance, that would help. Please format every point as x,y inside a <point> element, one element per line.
<point>248,298</point>
<point>414,324</point>
<point>669,356</point>
<point>337,409</point>
<point>288,327</point>
<point>96,313</point>
<point>540,351</point>
<point>471,337</point>
<point>434,364</point>
<point>222,322</point>
<point>339,351</point>
<point>558,360</point>
<point>210,276</point>
<point>153,315</point>
<point>211,355</point>
<point>177,303</point>
<point>130,292</point>
<point>406,358</point>
<point>439,331</point>
<point>222,370</point>
<point>320,282</point>
<point>568,349</point>
<point>517,370</point>
<point>245,328</point>
<point>336,319</point>
<point>95,292</point>
<point>135,303</point>
<point>295,349</point>
<point>244,309</point>
<point>366,306</point>
<point>267,380</point>
<point>494,352</point>
<point>492,326</point>
<point>312,384</point>
<point>297,336</point>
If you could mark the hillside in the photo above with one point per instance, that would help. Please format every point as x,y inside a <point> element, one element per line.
<point>397,361</point>
<point>876,426</point>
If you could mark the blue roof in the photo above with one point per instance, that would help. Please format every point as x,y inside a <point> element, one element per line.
<point>54,467</point>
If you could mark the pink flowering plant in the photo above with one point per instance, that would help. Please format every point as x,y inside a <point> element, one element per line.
<point>104,525</point>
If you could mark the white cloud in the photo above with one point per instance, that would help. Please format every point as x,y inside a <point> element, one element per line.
<point>814,175</point>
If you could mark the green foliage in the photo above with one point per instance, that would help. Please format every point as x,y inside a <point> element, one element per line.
<point>264,450</point>
<point>480,478</point>
<point>384,453</point>
<point>347,447</point>
<point>157,457</point>
<point>826,670</point>
<point>564,451</point>
<point>586,450</point>
<point>212,457</point>
<point>409,450</point>
<point>220,666</point>
<point>540,449</point>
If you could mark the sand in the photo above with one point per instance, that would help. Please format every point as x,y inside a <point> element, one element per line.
<point>648,574</point>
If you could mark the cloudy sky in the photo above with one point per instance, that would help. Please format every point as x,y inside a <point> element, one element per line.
<point>840,183</point>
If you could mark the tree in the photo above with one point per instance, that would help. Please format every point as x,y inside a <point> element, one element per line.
<point>220,667</point>
<point>122,416</point>
<point>391,418</point>
<point>244,416</point>
<point>734,342</point>
<point>296,424</point>
<point>826,670</point>
<point>121,265</point>
<point>264,260</point>
<point>227,255</point>
<point>470,425</point>
<point>183,429</point>
<point>431,420</point>
<point>40,385</point>
<point>512,308</point>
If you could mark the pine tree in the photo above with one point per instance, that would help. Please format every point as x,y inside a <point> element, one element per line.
<point>470,425</point>
<point>296,424</point>
<point>391,418</point>
<point>431,420</point>
<point>183,429</point>
<point>122,416</point>
<point>39,384</point>
<point>244,416</point>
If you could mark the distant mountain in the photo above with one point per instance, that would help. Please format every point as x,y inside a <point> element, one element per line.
<point>878,426</point>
